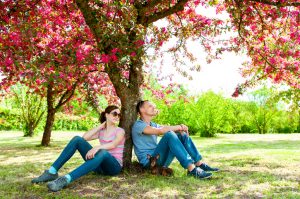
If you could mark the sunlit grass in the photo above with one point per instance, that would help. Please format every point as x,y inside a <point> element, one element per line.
<point>253,166</point>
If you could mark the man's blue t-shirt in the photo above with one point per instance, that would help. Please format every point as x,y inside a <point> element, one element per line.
<point>143,144</point>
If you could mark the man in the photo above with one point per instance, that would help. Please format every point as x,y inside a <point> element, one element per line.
<point>179,145</point>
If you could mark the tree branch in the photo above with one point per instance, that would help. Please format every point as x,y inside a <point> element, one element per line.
<point>278,3</point>
<point>66,96</point>
<point>146,20</point>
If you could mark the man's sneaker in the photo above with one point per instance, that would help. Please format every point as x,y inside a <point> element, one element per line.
<point>199,173</point>
<point>57,184</point>
<point>45,177</point>
<point>205,167</point>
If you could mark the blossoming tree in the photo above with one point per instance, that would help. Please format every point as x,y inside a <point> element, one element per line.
<point>55,46</point>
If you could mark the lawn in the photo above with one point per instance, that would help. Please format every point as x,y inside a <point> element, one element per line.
<point>253,166</point>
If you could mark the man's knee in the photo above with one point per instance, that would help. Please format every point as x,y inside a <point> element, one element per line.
<point>170,134</point>
<point>200,157</point>
<point>183,135</point>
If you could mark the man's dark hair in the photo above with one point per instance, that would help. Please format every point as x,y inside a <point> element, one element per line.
<point>139,105</point>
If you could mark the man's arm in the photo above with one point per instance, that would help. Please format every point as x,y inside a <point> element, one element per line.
<point>149,130</point>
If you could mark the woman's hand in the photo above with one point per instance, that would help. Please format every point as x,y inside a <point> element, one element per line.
<point>91,153</point>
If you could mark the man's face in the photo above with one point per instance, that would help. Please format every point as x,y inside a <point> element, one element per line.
<point>149,109</point>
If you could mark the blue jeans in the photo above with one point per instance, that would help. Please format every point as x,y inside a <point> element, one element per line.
<point>177,145</point>
<point>103,162</point>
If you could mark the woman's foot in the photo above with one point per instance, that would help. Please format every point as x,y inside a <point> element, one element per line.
<point>45,177</point>
<point>58,184</point>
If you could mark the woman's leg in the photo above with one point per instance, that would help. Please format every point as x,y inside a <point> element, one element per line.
<point>103,160</point>
<point>76,143</point>
<point>110,166</point>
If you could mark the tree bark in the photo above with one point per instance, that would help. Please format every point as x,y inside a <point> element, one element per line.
<point>29,130</point>
<point>50,116</point>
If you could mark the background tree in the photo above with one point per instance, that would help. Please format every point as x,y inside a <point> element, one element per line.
<point>50,52</point>
<point>31,107</point>
<point>262,109</point>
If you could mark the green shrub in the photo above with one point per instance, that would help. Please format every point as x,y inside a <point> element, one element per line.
<point>9,119</point>
<point>74,123</point>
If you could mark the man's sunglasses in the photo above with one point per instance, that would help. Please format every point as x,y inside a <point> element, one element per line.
<point>115,114</point>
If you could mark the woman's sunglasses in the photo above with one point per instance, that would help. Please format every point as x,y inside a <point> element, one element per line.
<point>115,114</point>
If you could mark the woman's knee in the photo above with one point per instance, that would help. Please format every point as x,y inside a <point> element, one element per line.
<point>101,153</point>
<point>77,139</point>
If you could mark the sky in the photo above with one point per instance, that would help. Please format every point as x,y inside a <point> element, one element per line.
<point>219,76</point>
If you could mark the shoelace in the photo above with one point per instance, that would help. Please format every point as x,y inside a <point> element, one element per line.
<point>60,181</point>
<point>198,172</point>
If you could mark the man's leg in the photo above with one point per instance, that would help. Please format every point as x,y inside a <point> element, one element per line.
<point>193,152</point>
<point>190,147</point>
<point>170,143</point>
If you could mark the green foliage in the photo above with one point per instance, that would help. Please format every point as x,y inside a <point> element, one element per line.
<point>31,108</point>
<point>205,115</point>
<point>74,123</point>
<point>210,113</point>
<point>9,119</point>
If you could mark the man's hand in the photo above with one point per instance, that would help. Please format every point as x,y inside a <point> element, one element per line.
<point>184,129</point>
<point>91,153</point>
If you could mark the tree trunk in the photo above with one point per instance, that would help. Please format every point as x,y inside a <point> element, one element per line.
<point>129,116</point>
<point>50,116</point>
<point>48,127</point>
<point>29,130</point>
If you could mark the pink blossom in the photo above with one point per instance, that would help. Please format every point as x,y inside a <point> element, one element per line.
<point>133,54</point>
<point>115,50</point>
<point>79,55</point>
<point>139,43</point>
<point>105,58</point>
<point>38,81</point>
<point>114,58</point>
<point>8,61</point>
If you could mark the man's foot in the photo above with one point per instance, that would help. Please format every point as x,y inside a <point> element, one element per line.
<point>58,184</point>
<point>199,173</point>
<point>45,177</point>
<point>205,167</point>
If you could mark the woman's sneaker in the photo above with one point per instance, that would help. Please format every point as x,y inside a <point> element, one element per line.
<point>58,184</point>
<point>199,173</point>
<point>45,177</point>
<point>205,167</point>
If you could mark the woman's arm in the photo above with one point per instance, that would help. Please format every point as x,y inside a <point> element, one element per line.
<point>119,137</point>
<point>92,134</point>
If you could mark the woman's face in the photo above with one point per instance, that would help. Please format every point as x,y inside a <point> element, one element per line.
<point>113,116</point>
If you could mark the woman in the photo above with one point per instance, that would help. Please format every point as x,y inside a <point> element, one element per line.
<point>105,158</point>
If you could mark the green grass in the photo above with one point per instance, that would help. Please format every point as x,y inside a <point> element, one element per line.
<point>253,166</point>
